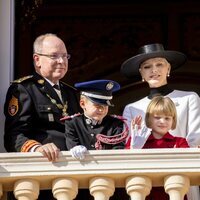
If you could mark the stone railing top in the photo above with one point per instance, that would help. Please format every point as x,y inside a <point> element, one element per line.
<point>117,164</point>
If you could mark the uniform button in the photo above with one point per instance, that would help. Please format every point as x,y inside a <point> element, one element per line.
<point>92,134</point>
<point>92,145</point>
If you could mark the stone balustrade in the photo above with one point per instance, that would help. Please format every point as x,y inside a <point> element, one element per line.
<point>101,172</point>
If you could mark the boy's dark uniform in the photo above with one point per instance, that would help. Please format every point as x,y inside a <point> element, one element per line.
<point>80,130</point>
<point>33,111</point>
<point>107,134</point>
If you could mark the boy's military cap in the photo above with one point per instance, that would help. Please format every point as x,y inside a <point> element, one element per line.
<point>98,91</point>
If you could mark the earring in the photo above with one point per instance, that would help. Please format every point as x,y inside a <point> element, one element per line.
<point>143,80</point>
<point>168,74</point>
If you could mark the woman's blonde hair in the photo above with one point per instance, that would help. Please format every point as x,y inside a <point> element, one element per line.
<point>161,105</point>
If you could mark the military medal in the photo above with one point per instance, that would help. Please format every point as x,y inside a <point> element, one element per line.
<point>59,106</point>
<point>64,110</point>
<point>54,101</point>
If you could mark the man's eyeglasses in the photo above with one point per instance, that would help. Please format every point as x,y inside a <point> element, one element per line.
<point>64,56</point>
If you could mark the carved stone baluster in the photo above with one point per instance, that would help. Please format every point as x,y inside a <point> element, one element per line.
<point>101,188</point>
<point>65,188</point>
<point>26,189</point>
<point>176,186</point>
<point>138,187</point>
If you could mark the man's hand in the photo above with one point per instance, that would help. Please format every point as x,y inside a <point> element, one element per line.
<point>78,152</point>
<point>49,150</point>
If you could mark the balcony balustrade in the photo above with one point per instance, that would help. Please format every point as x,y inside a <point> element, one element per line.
<point>101,172</point>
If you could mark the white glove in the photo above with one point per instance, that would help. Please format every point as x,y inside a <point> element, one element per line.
<point>139,136</point>
<point>78,152</point>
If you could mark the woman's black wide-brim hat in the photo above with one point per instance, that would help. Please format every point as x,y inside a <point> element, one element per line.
<point>131,66</point>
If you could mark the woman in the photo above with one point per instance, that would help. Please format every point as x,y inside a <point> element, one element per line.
<point>154,64</point>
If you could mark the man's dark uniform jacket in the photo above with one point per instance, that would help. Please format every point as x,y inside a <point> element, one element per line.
<point>33,111</point>
<point>80,130</point>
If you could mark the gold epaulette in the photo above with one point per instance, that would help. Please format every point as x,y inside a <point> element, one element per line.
<point>22,79</point>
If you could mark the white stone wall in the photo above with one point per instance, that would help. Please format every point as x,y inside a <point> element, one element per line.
<point>6,56</point>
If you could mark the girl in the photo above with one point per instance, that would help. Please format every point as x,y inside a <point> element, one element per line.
<point>161,117</point>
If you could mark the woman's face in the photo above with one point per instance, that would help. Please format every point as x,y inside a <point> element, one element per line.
<point>154,71</point>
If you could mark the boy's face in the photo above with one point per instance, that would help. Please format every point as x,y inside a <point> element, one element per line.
<point>160,124</point>
<point>93,110</point>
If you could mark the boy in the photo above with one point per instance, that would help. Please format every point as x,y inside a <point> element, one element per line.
<point>95,129</point>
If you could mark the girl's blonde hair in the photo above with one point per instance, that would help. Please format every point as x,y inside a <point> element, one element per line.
<point>161,106</point>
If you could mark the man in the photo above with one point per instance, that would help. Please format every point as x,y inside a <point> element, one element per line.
<point>35,104</point>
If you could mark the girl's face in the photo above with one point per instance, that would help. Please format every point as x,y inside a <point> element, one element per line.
<point>154,71</point>
<point>93,110</point>
<point>160,124</point>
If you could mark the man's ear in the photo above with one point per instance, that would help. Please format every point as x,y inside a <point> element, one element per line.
<point>36,60</point>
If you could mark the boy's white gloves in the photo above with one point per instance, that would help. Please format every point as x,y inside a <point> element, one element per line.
<point>78,152</point>
<point>139,136</point>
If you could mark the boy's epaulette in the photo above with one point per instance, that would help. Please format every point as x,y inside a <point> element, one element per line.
<point>70,117</point>
<point>68,85</point>
<point>118,117</point>
<point>22,79</point>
